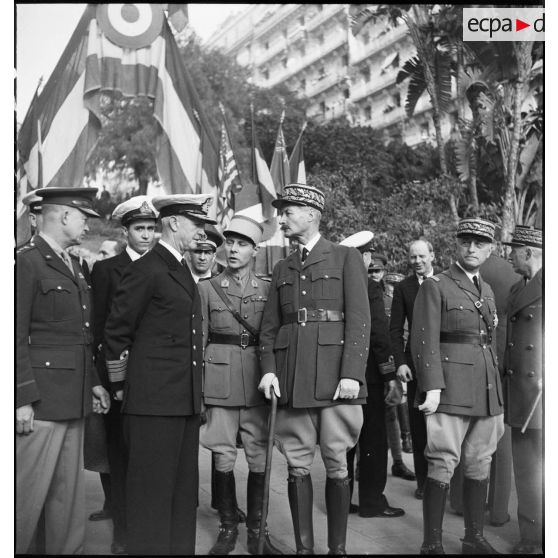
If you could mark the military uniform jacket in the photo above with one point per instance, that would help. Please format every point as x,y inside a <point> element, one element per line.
<point>524,353</point>
<point>231,373</point>
<point>466,373</point>
<point>105,278</point>
<point>310,358</point>
<point>54,361</point>
<point>153,337</point>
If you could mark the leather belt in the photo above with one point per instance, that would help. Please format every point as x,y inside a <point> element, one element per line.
<point>465,338</point>
<point>317,315</point>
<point>243,340</point>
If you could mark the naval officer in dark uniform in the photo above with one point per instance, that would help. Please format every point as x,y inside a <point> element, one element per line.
<point>453,345</point>
<point>523,385</point>
<point>153,339</point>
<point>138,218</point>
<point>314,346</point>
<point>55,375</point>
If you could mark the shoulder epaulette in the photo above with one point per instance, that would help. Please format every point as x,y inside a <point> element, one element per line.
<point>25,248</point>
<point>435,278</point>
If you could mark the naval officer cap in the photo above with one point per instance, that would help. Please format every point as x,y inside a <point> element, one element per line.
<point>33,202</point>
<point>526,236</point>
<point>194,206</point>
<point>393,277</point>
<point>212,242</point>
<point>361,240</point>
<point>137,208</point>
<point>476,227</point>
<point>245,227</point>
<point>300,194</point>
<point>79,198</point>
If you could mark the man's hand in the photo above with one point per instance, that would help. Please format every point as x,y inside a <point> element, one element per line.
<point>118,395</point>
<point>268,380</point>
<point>101,400</point>
<point>347,389</point>
<point>404,373</point>
<point>24,419</point>
<point>393,394</point>
<point>432,401</point>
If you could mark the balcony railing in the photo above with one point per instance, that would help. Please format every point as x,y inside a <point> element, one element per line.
<point>324,84</point>
<point>360,53</point>
<point>362,90</point>
<point>328,11</point>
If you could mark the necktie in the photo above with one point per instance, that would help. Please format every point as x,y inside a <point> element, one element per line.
<point>67,260</point>
<point>183,262</point>
<point>476,282</point>
<point>305,253</point>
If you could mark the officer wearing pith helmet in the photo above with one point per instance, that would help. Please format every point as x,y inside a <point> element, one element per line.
<point>55,375</point>
<point>153,339</point>
<point>314,346</point>
<point>232,306</point>
<point>138,219</point>
<point>202,258</point>
<point>453,345</point>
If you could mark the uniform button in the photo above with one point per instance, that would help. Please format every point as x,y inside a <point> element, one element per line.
<point>513,319</point>
<point>422,329</point>
<point>194,348</point>
<point>531,374</point>
<point>489,386</point>
<point>245,316</point>
<point>193,332</point>
<point>246,301</point>
<point>59,288</point>
<point>432,352</point>
<point>360,354</point>
<point>326,276</point>
<point>427,365</point>
<point>194,363</point>
<point>47,363</point>
<point>86,324</point>
<point>529,347</point>
<point>342,342</point>
<point>193,315</point>
<point>423,342</point>
<point>461,308</point>
<point>84,307</point>
<point>482,331</point>
<point>484,346</point>
<point>510,372</point>
<point>303,324</point>
<point>446,358</point>
<point>510,345</point>
<point>530,316</point>
<point>303,292</point>
<point>303,277</point>
<point>209,359</point>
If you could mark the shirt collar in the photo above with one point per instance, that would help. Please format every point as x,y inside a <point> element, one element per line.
<point>468,273</point>
<point>197,277</point>
<point>133,254</point>
<point>172,250</point>
<point>421,278</point>
<point>311,243</point>
<point>52,243</point>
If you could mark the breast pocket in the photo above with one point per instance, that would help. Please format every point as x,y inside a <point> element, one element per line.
<point>57,297</point>
<point>461,314</point>
<point>285,286</point>
<point>220,318</point>
<point>327,284</point>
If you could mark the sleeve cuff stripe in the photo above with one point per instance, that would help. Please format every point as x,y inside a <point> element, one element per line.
<point>25,383</point>
<point>117,376</point>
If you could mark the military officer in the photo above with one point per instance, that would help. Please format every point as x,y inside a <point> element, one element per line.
<point>34,205</point>
<point>523,384</point>
<point>153,347</point>
<point>454,352</point>
<point>232,306</point>
<point>138,219</point>
<point>314,346</point>
<point>377,268</point>
<point>202,258</point>
<point>55,375</point>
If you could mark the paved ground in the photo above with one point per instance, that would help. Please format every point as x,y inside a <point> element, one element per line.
<point>365,536</point>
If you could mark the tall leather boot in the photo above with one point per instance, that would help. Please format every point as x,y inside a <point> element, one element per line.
<point>338,499</point>
<point>474,498</point>
<point>225,496</point>
<point>255,498</point>
<point>301,501</point>
<point>433,507</point>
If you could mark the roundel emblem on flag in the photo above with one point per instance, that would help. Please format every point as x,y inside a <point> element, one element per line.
<point>131,25</point>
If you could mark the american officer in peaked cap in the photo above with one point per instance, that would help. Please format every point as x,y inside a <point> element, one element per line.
<point>153,347</point>
<point>34,204</point>
<point>232,306</point>
<point>453,345</point>
<point>55,375</point>
<point>314,344</point>
<point>138,219</point>
<point>523,384</point>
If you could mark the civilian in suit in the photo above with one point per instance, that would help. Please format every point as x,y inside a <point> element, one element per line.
<point>153,347</point>
<point>138,219</point>
<point>523,385</point>
<point>454,352</point>
<point>55,375</point>
<point>314,346</point>
<point>421,256</point>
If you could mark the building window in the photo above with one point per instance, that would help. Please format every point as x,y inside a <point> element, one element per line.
<point>266,74</point>
<point>284,62</point>
<point>346,93</point>
<point>368,112</point>
<point>321,73</point>
<point>321,39</point>
<point>285,32</point>
<point>345,60</point>
<point>425,130</point>
<point>323,108</point>
<point>266,45</point>
<point>366,38</point>
<point>320,7</point>
<point>301,21</point>
<point>303,84</point>
<point>397,99</point>
<point>365,74</point>
<point>303,51</point>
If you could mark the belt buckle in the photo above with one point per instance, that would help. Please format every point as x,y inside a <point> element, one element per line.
<point>304,314</point>
<point>244,340</point>
<point>478,304</point>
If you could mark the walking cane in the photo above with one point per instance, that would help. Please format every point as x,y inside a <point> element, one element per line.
<point>267,476</point>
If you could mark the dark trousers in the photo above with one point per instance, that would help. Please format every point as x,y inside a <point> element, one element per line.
<point>373,448</point>
<point>116,450</point>
<point>162,483</point>
<point>107,491</point>
<point>418,434</point>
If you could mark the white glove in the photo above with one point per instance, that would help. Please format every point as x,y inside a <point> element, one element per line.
<point>268,380</point>
<point>347,389</point>
<point>432,401</point>
<point>404,373</point>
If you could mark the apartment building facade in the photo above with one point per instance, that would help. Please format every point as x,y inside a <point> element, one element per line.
<point>311,49</point>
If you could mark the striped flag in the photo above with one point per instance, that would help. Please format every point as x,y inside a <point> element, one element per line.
<point>296,162</point>
<point>229,183</point>
<point>69,108</point>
